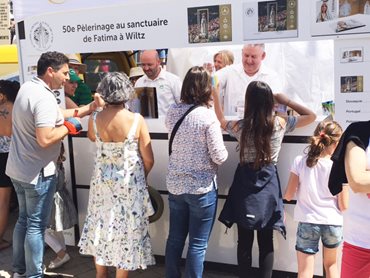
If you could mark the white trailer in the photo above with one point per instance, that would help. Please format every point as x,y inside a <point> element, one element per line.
<point>310,57</point>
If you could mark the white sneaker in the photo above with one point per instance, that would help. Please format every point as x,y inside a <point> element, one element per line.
<point>57,262</point>
<point>17,275</point>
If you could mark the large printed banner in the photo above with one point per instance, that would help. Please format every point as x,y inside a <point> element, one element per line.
<point>28,8</point>
<point>340,17</point>
<point>4,22</point>
<point>127,27</point>
<point>93,31</point>
<point>270,19</point>
<point>123,27</point>
<point>352,81</point>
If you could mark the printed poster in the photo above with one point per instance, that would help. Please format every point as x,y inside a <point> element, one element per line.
<point>340,17</point>
<point>4,22</point>
<point>352,81</point>
<point>270,19</point>
<point>209,24</point>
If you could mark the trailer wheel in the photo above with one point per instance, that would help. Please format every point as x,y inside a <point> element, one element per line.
<point>157,203</point>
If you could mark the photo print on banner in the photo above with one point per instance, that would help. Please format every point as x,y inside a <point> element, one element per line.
<point>350,55</point>
<point>209,24</point>
<point>270,19</point>
<point>335,17</point>
<point>351,84</point>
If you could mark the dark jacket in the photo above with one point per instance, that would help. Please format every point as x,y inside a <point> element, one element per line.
<point>359,133</point>
<point>255,200</point>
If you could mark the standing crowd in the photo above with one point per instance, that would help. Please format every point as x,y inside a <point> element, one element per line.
<point>331,177</point>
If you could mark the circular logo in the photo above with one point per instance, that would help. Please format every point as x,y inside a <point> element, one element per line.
<point>41,36</point>
<point>292,3</point>
<point>249,12</point>
<point>225,11</point>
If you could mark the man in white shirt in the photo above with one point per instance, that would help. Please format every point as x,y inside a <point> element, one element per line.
<point>168,85</point>
<point>234,79</point>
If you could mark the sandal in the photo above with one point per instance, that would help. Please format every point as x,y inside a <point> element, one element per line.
<point>4,244</point>
<point>58,262</point>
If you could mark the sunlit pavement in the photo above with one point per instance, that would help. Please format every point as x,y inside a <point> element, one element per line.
<point>83,267</point>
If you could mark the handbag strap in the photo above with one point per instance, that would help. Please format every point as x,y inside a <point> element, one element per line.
<point>176,127</point>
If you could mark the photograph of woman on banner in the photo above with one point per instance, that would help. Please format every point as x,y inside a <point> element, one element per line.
<point>203,24</point>
<point>367,7</point>
<point>272,16</point>
<point>324,14</point>
<point>345,8</point>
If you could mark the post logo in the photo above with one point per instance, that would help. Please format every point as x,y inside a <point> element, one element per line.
<point>41,36</point>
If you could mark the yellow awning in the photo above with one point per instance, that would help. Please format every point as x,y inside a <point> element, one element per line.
<point>8,54</point>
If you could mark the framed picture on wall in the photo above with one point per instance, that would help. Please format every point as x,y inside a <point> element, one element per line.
<point>337,17</point>
<point>349,55</point>
<point>326,10</point>
<point>270,19</point>
<point>351,84</point>
<point>209,24</point>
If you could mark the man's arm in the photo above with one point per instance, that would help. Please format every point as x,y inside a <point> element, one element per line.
<point>176,89</point>
<point>47,136</point>
<point>86,109</point>
<point>79,111</point>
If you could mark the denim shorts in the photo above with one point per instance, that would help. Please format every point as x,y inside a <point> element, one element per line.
<point>308,236</point>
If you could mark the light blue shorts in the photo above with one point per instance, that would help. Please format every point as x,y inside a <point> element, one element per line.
<point>308,236</point>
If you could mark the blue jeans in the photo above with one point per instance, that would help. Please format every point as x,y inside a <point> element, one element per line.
<point>194,215</point>
<point>308,237</point>
<point>35,203</point>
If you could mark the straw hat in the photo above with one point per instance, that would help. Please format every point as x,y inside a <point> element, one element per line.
<point>75,60</point>
<point>136,72</point>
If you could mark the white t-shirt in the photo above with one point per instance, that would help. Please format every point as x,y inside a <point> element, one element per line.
<point>168,88</point>
<point>233,82</point>
<point>315,203</point>
<point>356,226</point>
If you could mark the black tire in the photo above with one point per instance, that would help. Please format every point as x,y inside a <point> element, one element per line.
<point>157,203</point>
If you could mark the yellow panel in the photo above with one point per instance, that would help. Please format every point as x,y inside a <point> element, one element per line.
<point>6,69</point>
<point>8,54</point>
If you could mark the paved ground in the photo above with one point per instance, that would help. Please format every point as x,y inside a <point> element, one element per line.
<point>83,267</point>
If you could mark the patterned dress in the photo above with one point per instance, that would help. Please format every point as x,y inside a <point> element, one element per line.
<point>116,227</point>
<point>4,144</point>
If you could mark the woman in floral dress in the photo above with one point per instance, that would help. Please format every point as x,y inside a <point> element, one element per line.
<point>116,226</point>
